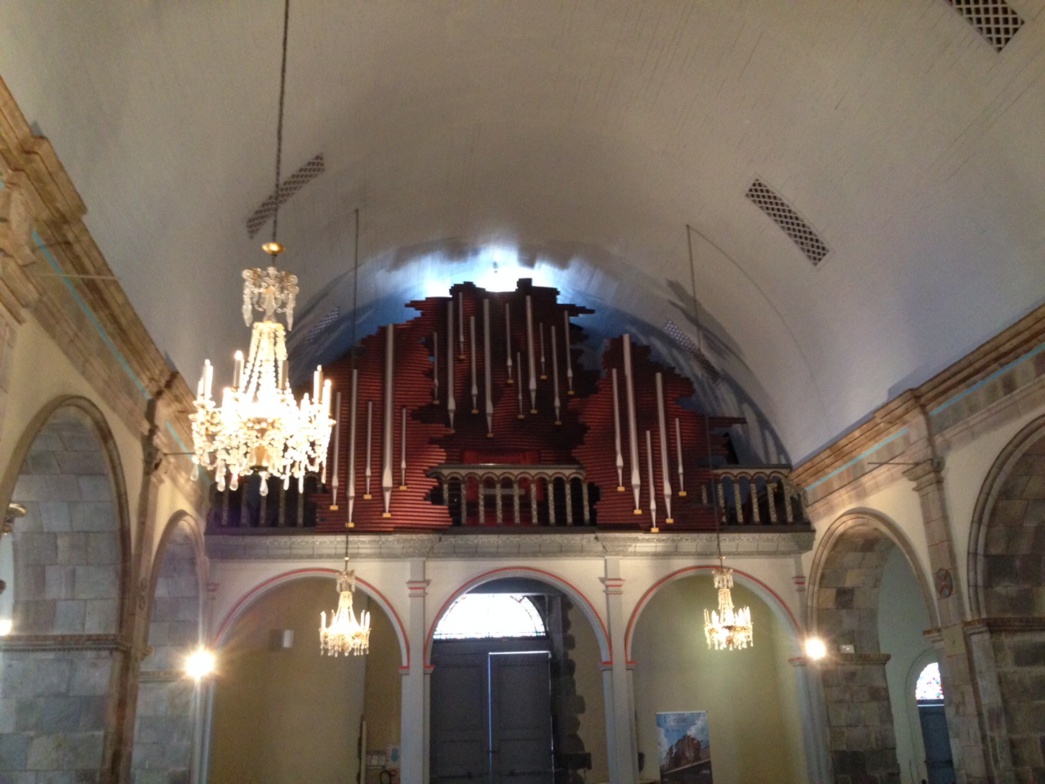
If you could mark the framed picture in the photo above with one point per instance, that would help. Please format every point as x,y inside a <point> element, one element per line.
<point>684,748</point>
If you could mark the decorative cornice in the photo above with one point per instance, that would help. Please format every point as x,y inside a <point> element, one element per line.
<point>1035,623</point>
<point>945,401</point>
<point>63,642</point>
<point>267,547</point>
<point>854,660</point>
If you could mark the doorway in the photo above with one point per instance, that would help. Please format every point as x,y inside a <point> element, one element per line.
<point>491,713</point>
<point>939,764</point>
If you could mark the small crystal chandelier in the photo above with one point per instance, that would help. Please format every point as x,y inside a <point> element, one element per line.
<point>345,635</point>
<point>727,628</point>
<point>258,425</point>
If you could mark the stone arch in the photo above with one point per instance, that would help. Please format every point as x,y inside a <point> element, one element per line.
<point>846,574</point>
<point>572,592</point>
<point>259,590</point>
<point>71,550</point>
<point>71,556</point>
<point>845,580</point>
<point>773,600</point>
<point>164,716</point>
<point>1007,538</point>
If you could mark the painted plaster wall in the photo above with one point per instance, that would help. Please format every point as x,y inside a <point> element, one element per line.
<point>750,696</point>
<point>283,716</point>
<point>588,680</point>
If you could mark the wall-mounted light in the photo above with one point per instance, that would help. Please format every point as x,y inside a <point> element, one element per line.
<point>815,648</point>
<point>200,663</point>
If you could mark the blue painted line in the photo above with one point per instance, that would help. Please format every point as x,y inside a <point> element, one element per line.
<point>90,316</point>
<point>858,458</point>
<point>174,435</point>
<point>992,377</point>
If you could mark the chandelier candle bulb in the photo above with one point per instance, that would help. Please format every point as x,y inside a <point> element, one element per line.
<point>569,356</point>
<point>475,380</point>
<point>555,376</point>
<point>531,363</point>
<point>616,434</point>
<point>487,370</point>
<point>664,467</point>
<point>678,448</point>
<point>508,338</point>
<point>208,378</point>
<point>237,371</point>
<point>633,434</point>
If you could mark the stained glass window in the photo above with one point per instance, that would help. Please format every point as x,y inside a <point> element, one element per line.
<point>490,615</point>
<point>928,687</point>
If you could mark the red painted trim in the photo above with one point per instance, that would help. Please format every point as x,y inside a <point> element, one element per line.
<point>485,577</point>
<point>261,588</point>
<point>679,573</point>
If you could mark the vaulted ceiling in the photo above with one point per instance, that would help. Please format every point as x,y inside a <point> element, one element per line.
<point>570,141</point>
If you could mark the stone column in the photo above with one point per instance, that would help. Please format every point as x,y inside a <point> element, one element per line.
<point>413,734</point>
<point>862,738</point>
<point>620,705</point>
<point>956,669</point>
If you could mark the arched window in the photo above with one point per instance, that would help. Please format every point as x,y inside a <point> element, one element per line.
<point>478,616</point>
<point>928,687</point>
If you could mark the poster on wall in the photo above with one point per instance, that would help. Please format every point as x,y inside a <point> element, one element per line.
<point>683,747</point>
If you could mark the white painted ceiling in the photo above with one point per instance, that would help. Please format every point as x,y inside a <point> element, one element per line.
<point>581,137</point>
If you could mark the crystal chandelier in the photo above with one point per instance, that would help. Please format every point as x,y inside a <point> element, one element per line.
<point>258,425</point>
<point>345,635</point>
<point>727,628</point>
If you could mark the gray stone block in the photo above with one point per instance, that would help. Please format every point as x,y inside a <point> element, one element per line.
<point>95,488</point>
<point>13,750</point>
<point>96,582</point>
<point>83,751</point>
<point>72,548</point>
<point>55,516</point>
<point>69,617</point>
<point>102,548</point>
<point>46,752</point>
<point>90,677</point>
<point>59,581</point>
<point>83,463</point>
<point>94,516</point>
<point>101,616</point>
<point>62,487</point>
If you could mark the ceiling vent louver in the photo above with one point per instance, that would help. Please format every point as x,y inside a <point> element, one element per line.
<point>287,188</point>
<point>673,331</point>
<point>993,19</point>
<point>316,330</point>
<point>800,232</point>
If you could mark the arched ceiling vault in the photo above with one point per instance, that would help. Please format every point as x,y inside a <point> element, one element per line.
<point>581,137</point>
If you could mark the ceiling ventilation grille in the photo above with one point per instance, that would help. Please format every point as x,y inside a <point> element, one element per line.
<point>317,329</point>
<point>993,19</point>
<point>288,188</point>
<point>672,330</point>
<point>800,232</point>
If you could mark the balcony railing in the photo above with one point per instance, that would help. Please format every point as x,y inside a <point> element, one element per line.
<point>508,496</point>
<point>495,494</point>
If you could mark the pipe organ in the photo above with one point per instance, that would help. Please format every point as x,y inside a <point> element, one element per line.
<point>553,448</point>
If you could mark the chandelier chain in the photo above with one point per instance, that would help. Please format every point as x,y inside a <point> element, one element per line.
<point>279,121</point>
